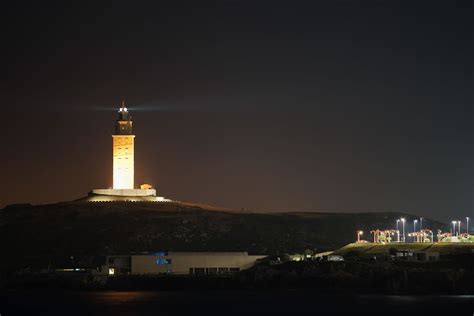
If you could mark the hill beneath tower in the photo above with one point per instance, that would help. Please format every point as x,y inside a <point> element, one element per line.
<point>78,233</point>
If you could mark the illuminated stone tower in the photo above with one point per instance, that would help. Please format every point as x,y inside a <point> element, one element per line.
<point>123,154</point>
<point>123,150</point>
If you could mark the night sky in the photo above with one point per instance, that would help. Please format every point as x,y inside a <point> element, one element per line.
<point>264,105</point>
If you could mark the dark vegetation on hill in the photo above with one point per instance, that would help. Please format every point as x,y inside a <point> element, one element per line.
<point>78,233</point>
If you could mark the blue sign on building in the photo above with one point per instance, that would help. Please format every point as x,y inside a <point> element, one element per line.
<point>161,261</point>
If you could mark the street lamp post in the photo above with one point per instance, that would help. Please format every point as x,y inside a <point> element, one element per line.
<point>398,230</point>
<point>467,225</point>
<point>358,235</point>
<point>403,229</point>
<point>421,223</point>
<point>454,228</point>
<point>414,229</point>
<point>459,228</point>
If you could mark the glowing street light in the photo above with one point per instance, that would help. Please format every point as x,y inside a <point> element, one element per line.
<point>359,233</point>
<point>421,223</point>
<point>403,229</point>
<point>454,227</point>
<point>467,225</point>
<point>459,228</point>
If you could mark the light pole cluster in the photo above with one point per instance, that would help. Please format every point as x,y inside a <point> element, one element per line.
<point>456,229</point>
<point>423,235</point>
<point>402,220</point>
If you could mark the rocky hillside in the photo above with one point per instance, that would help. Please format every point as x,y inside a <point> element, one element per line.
<point>79,232</point>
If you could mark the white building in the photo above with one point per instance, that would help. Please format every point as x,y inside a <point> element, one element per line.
<point>196,263</point>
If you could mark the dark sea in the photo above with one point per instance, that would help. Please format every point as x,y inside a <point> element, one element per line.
<point>242,303</point>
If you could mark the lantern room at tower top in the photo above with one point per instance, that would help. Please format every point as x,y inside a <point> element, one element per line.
<point>123,152</point>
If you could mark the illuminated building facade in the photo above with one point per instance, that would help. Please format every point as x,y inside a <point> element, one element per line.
<point>123,151</point>
<point>196,263</point>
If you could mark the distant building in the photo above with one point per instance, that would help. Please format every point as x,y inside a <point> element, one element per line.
<point>336,258</point>
<point>146,186</point>
<point>416,256</point>
<point>194,263</point>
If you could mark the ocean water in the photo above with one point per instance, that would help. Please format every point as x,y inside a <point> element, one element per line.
<point>243,303</point>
